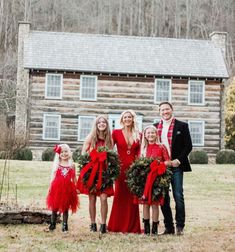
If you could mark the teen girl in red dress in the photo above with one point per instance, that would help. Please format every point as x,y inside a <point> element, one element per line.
<point>100,135</point>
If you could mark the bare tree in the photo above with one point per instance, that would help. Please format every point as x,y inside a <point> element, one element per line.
<point>165,18</point>
<point>119,23</point>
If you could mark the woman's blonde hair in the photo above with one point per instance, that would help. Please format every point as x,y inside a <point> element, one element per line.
<point>56,161</point>
<point>134,128</point>
<point>144,142</point>
<point>95,133</point>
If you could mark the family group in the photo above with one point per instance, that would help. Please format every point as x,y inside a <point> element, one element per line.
<point>168,141</point>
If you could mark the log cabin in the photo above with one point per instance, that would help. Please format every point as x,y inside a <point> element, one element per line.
<point>64,80</point>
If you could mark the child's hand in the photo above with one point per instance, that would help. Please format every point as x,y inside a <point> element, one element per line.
<point>143,198</point>
<point>78,192</point>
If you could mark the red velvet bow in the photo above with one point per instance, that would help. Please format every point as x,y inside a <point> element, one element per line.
<point>97,165</point>
<point>57,149</point>
<point>156,169</point>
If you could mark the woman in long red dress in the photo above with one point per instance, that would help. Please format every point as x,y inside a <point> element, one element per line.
<point>124,216</point>
<point>100,135</point>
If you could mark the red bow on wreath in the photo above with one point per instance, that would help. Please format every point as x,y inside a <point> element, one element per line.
<point>97,165</point>
<point>57,149</point>
<point>156,169</point>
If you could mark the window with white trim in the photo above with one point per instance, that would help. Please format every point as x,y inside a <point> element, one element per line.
<point>162,91</point>
<point>84,126</point>
<point>51,126</point>
<point>197,130</point>
<point>196,91</point>
<point>88,88</point>
<point>53,87</point>
<point>114,121</point>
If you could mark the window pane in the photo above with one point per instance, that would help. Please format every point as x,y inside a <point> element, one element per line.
<point>196,92</point>
<point>51,125</point>
<point>162,90</point>
<point>53,86</point>
<point>85,126</point>
<point>88,88</point>
<point>196,132</point>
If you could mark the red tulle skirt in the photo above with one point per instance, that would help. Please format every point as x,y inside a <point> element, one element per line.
<point>62,195</point>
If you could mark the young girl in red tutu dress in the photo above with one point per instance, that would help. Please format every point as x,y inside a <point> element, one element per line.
<point>62,195</point>
<point>151,148</point>
<point>100,135</point>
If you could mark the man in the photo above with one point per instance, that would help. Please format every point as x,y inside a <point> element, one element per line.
<point>174,134</point>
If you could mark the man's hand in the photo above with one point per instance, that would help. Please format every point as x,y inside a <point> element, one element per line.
<point>175,163</point>
<point>167,163</point>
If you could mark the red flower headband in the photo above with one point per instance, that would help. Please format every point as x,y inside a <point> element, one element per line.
<point>57,149</point>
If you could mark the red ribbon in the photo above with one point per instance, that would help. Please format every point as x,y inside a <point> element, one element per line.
<point>57,149</point>
<point>97,165</point>
<point>156,169</point>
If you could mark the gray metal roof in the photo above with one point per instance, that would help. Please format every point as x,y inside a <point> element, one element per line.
<point>123,54</point>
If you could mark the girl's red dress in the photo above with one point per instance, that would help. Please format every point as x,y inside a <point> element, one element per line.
<point>62,195</point>
<point>84,190</point>
<point>159,152</point>
<point>124,215</point>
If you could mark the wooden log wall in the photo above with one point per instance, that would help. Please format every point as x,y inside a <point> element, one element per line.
<point>114,95</point>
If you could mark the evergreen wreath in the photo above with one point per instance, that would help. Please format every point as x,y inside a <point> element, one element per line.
<point>109,175</point>
<point>137,175</point>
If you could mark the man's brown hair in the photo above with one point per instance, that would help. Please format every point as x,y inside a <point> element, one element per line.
<point>165,102</point>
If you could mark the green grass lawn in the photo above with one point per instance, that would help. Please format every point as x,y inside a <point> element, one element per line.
<point>210,215</point>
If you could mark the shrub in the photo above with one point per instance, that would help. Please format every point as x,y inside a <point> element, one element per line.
<point>48,154</point>
<point>198,157</point>
<point>226,156</point>
<point>3,154</point>
<point>23,154</point>
<point>76,154</point>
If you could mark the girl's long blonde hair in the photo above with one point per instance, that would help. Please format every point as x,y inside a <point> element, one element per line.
<point>56,161</point>
<point>95,133</point>
<point>144,142</point>
<point>134,128</point>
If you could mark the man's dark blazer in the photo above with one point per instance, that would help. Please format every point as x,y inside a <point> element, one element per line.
<point>181,144</point>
